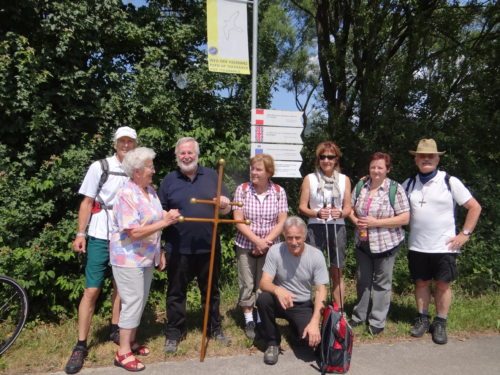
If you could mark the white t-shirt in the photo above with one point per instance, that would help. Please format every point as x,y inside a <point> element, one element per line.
<point>316,200</point>
<point>432,221</point>
<point>100,225</point>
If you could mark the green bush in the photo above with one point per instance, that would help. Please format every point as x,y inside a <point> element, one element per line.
<point>479,266</point>
<point>71,74</point>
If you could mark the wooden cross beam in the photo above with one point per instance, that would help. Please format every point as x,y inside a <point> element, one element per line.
<point>216,221</point>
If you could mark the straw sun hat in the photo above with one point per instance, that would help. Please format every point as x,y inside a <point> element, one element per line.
<point>427,146</point>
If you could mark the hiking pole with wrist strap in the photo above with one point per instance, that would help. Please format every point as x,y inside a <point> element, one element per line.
<point>338,259</point>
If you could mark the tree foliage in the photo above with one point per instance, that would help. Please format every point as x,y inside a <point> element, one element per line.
<point>70,73</point>
<point>390,72</point>
<point>396,71</point>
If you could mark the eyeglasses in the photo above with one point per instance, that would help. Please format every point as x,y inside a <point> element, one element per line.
<point>329,157</point>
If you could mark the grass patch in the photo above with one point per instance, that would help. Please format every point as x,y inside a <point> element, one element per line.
<point>46,347</point>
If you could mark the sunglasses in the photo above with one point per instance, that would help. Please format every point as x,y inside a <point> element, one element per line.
<point>329,157</point>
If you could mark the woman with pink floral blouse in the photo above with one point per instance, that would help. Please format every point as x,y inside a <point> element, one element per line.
<point>135,249</point>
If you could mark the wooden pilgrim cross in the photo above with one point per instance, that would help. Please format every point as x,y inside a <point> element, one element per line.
<point>215,222</point>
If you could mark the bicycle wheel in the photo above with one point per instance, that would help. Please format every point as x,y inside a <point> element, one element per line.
<point>13,311</point>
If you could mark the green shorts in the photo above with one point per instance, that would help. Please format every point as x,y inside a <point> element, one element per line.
<point>97,267</point>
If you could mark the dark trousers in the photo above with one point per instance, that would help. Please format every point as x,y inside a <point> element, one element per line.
<point>181,270</point>
<point>270,308</point>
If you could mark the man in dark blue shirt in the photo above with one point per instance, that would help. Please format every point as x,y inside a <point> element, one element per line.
<point>188,244</point>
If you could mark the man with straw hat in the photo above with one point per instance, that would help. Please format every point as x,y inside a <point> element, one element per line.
<point>433,243</point>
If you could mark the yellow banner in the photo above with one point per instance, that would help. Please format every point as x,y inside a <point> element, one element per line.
<point>227,37</point>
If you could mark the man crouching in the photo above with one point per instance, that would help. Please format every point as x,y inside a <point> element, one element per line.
<point>291,270</point>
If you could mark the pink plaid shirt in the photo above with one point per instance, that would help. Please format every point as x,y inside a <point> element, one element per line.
<point>263,216</point>
<point>381,239</point>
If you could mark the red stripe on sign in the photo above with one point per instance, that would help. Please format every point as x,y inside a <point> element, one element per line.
<point>259,122</point>
<point>259,134</point>
<point>259,111</point>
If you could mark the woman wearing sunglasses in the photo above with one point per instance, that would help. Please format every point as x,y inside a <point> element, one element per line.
<point>325,198</point>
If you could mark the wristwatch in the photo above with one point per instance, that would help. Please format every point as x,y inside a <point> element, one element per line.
<point>466,232</point>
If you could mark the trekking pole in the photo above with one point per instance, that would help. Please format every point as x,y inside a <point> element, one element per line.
<point>327,237</point>
<point>338,259</point>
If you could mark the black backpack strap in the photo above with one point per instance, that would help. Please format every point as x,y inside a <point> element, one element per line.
<point>447,181</point>
<point>104,177</point>
<point>411,184</point>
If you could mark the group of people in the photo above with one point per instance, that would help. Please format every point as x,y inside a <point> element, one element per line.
<point>122,222</point>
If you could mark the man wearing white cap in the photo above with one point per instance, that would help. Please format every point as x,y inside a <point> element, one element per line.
<point>433,243</point>
<point>99,187</point>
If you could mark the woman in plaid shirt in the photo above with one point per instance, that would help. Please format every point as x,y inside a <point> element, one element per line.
<point>379,235</point>
<point>266,206</point>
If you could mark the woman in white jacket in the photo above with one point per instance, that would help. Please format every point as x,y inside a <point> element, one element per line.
<point>325,198</point>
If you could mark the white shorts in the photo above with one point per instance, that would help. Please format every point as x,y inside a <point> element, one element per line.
<point>133,287</point>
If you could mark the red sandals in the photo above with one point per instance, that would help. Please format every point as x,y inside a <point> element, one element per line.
<point>138,349</point>
<point>132,366</point>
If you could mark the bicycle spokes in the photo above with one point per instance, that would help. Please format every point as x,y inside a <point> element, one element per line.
<point>13,311</point>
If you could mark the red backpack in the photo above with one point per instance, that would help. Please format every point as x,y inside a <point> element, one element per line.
<point>245,187</point>
<point>335,350</point>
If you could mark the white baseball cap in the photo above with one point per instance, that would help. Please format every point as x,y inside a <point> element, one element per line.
<point>125,131</point>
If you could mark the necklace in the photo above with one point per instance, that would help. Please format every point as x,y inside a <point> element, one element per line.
<point>422,201</point>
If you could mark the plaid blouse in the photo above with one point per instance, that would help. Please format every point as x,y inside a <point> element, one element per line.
<point>263,216</point>
<point>381,239</point>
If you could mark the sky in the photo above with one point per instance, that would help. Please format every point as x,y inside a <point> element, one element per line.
<point>282,100</point>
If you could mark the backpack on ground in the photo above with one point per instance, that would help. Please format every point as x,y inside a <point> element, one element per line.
<point>333,354</point>
<point>393,189</point>
<point>335,350</point>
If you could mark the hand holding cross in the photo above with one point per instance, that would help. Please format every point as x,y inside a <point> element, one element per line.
<point>216,220</point>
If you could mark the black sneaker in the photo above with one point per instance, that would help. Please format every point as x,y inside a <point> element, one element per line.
<point>220,337</point>
<point>355,323</point>
<point>374,331</point>
<point>115,336</point>
<point>171,346</point>
<point>250,330</point>
<point>438,330</point>
<point>420,326</point>
<point>271,355</point>
<point>75,362</point>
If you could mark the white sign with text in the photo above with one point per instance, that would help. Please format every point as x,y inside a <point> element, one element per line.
<point>277,118</point>
<point>279,134</point>
<point>287,169</point>
<point>276,134</point>
<point>277,151</point>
